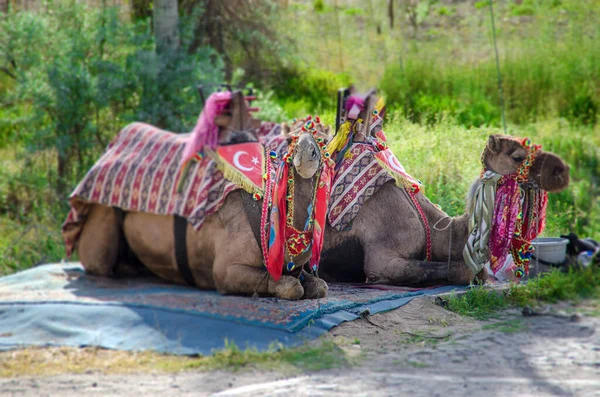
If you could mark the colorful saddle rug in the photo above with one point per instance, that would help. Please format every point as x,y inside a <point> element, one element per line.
<point>139,169</point>
<point>269,134</point>
<point>364,169</point>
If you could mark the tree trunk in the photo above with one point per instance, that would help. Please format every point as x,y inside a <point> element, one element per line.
<point>166,19</point>
<point>391,13</point>
<point>4,5</point>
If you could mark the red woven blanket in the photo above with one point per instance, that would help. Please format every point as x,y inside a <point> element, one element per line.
<point>138,172</point>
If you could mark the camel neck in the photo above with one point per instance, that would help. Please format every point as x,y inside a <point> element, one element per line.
<point>303,194</point>
<point>447,233</point>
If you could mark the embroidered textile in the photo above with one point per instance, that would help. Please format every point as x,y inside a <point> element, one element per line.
<point>359,176</point>
<point>138,173</point>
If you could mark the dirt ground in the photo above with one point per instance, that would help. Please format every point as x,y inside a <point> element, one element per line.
<point>418,350</point>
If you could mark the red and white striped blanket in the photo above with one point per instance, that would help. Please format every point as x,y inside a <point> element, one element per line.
<point>138,172</point>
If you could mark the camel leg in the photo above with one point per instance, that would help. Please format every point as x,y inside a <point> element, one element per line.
<point>246,280</point>
<point>385,267</point>
<point>100,241</point>
<point>314,287</point>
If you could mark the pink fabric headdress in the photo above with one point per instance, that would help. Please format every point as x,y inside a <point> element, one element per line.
<point>206,132</point>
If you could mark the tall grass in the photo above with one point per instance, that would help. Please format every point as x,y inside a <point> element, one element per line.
<point>445,64</point>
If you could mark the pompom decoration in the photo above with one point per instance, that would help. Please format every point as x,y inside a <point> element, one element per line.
<point>273,155</point>
<point>519,273</point>
<point>256,196</point>
<point>380,145</point>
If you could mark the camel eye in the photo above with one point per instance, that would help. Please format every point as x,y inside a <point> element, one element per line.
<point>313,155</point>
<point>518,159</point>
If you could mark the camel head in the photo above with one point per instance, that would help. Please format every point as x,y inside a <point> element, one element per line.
<point>507,155</point>
<point>307,139</point>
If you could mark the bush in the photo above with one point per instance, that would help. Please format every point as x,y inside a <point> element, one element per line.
<point>85,74</point>
<point>314,89</point>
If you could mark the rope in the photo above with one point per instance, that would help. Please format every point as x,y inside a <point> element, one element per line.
<point>255,294</point>
<point>501,93</point>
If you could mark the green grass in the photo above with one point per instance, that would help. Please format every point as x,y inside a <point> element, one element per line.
<point>424,338</point>
<point>446,65</point>
<point>557,286</point>
<point>306,358</point>
<point>477,302</point>
<point>483,303</point>
<point>52,361</point>
<point>507,327</point>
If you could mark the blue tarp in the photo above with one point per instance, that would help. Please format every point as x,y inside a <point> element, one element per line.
<point>59,305</point>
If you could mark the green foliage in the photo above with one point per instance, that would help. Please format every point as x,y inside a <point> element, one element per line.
<point>313,88</point>
<point>483,303</point>
<point>523,9</point>
<point>84,73</point>
<point>436,65</point>
<point>477,302</point>
<point>482,4</point>
<point>445,11</point>
<point>306,358</point>
<point>556,286</point>
<point>507,327</point>
<point>319,5</point>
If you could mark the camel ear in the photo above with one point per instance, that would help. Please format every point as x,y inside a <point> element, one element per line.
<point>285,129</point>
<point>494,144</point>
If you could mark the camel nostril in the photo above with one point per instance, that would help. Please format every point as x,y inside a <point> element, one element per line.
<point>313,155</point>
<point>558,170</point>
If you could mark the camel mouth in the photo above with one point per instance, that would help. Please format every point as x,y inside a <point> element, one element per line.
<point>307,156</point>
<point>550,173</point>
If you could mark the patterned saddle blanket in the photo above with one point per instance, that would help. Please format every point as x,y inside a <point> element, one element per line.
<point>362,172</point>
<point>139,172</point>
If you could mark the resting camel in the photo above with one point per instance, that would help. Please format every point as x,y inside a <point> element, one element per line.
<point>387,241</point>
<point>224,253</point>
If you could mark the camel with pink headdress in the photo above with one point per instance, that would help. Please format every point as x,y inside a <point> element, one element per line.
<point>383,229</point>
<point>200,210</point>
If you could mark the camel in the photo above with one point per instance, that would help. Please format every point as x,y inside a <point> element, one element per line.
<point>224,254</point>
<point>387,242</point>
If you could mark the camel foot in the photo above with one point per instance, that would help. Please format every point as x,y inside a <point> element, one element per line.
<point>288,288</point>
<point>460,274</point>
<point>314,287</point>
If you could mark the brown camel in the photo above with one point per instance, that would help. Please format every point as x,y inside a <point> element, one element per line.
<point>224,253</point>
<point>387,241</point>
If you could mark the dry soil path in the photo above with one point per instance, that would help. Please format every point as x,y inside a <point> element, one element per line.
<point>417,350</point>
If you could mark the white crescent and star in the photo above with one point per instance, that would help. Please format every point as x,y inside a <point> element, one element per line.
<point>394,163</point>
<point>236,161</point>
